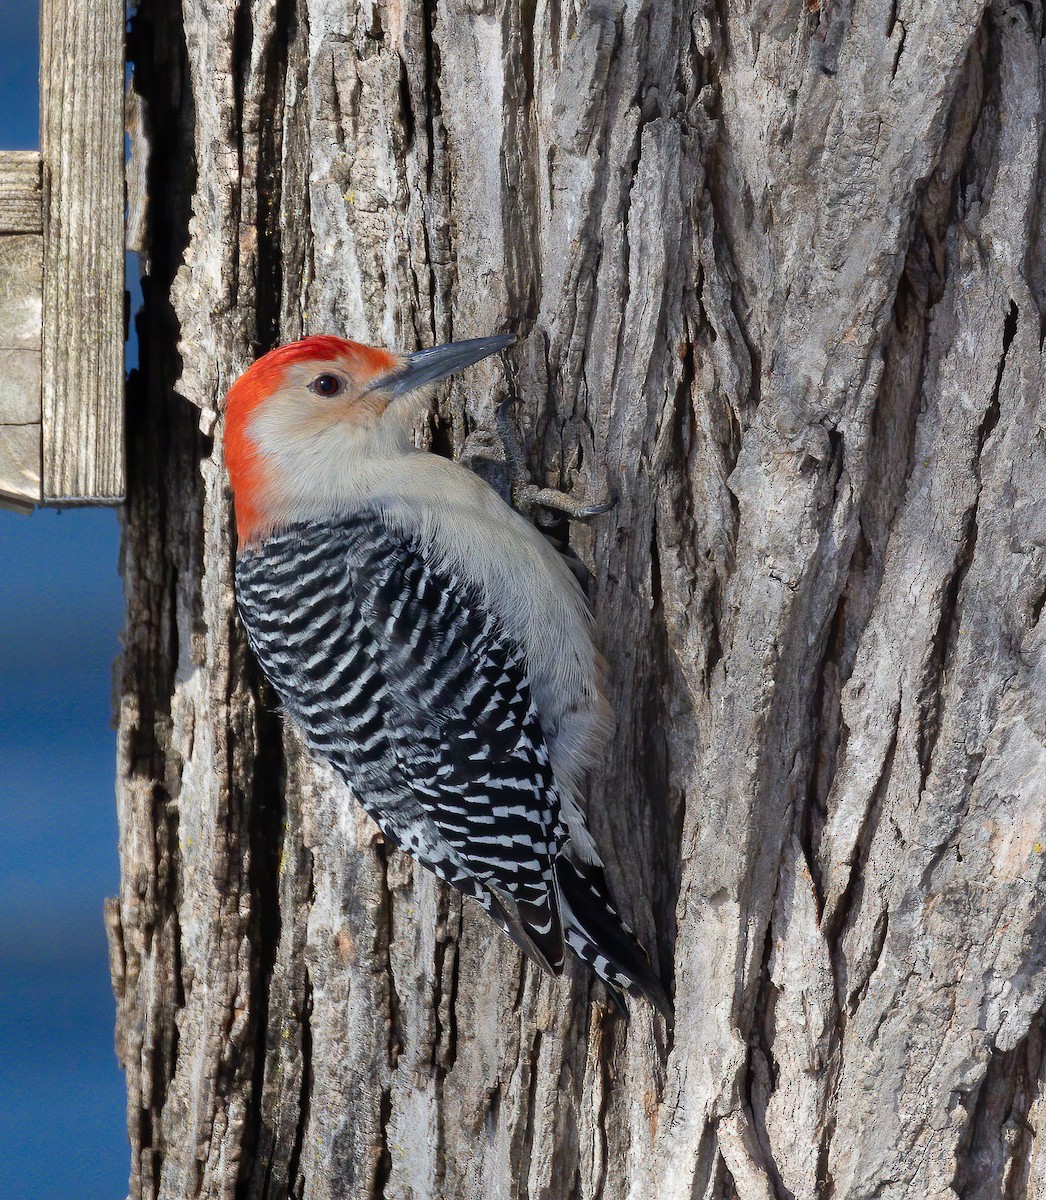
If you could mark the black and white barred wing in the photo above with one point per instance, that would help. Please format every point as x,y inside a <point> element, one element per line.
<point>400,678</point>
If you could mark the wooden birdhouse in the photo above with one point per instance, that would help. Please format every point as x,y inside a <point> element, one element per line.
<point>62,271</point>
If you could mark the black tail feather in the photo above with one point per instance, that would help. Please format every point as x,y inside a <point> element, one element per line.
<point>596,933</point>
<point>525,925</point>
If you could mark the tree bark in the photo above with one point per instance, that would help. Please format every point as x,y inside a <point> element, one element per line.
<point>779,275</point>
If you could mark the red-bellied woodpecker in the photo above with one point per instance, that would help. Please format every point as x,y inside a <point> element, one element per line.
<point>427,640</point>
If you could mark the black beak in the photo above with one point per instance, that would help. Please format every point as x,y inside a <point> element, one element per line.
<point>430,366</point>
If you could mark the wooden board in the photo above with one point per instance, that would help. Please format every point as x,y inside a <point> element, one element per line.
<point>19,466</point>
<point>81,132</point>
<point>21,256</point>
<point>20,198</point>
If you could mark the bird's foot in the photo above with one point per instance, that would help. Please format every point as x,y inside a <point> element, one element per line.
<point>531,497</point>
<point>528,497</point>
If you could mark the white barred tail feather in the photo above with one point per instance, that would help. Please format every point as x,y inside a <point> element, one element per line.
<point>600,937</point>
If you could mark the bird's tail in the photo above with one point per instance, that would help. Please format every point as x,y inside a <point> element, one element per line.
<point>595,931</point>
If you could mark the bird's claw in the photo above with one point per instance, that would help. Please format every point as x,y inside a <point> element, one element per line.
<point>531,497</point>
<point>596,510</point>
<point>528,496</point>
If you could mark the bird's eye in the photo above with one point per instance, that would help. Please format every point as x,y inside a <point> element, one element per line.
<point>327,385</point>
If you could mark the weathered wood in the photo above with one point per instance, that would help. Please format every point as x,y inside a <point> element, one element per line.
<point>19,466</point>
<point>20,307</point>
<point>82,144</point>
<point>778,276</point>
<point>21,199</point>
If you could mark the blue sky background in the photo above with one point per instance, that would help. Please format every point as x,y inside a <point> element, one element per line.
<point>62,1105</point>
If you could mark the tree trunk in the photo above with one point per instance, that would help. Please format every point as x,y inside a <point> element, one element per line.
<point>779,275</point>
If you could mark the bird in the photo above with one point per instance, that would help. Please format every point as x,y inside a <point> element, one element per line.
<point>427,640</point>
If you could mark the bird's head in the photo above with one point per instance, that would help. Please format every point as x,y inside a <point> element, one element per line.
<point>309,423</point>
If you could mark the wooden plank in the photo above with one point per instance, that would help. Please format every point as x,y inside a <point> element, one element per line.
<point>19,387</point>
<point>20,292</point>
<point>19,466</point>
<point>81,120</point>
<point>21,258</point>
<point>21,200</point>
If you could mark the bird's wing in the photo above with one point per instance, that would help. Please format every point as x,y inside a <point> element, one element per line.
<point>399,675</point>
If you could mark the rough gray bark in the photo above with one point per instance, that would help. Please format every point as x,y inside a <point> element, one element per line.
<point>779,275</point>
